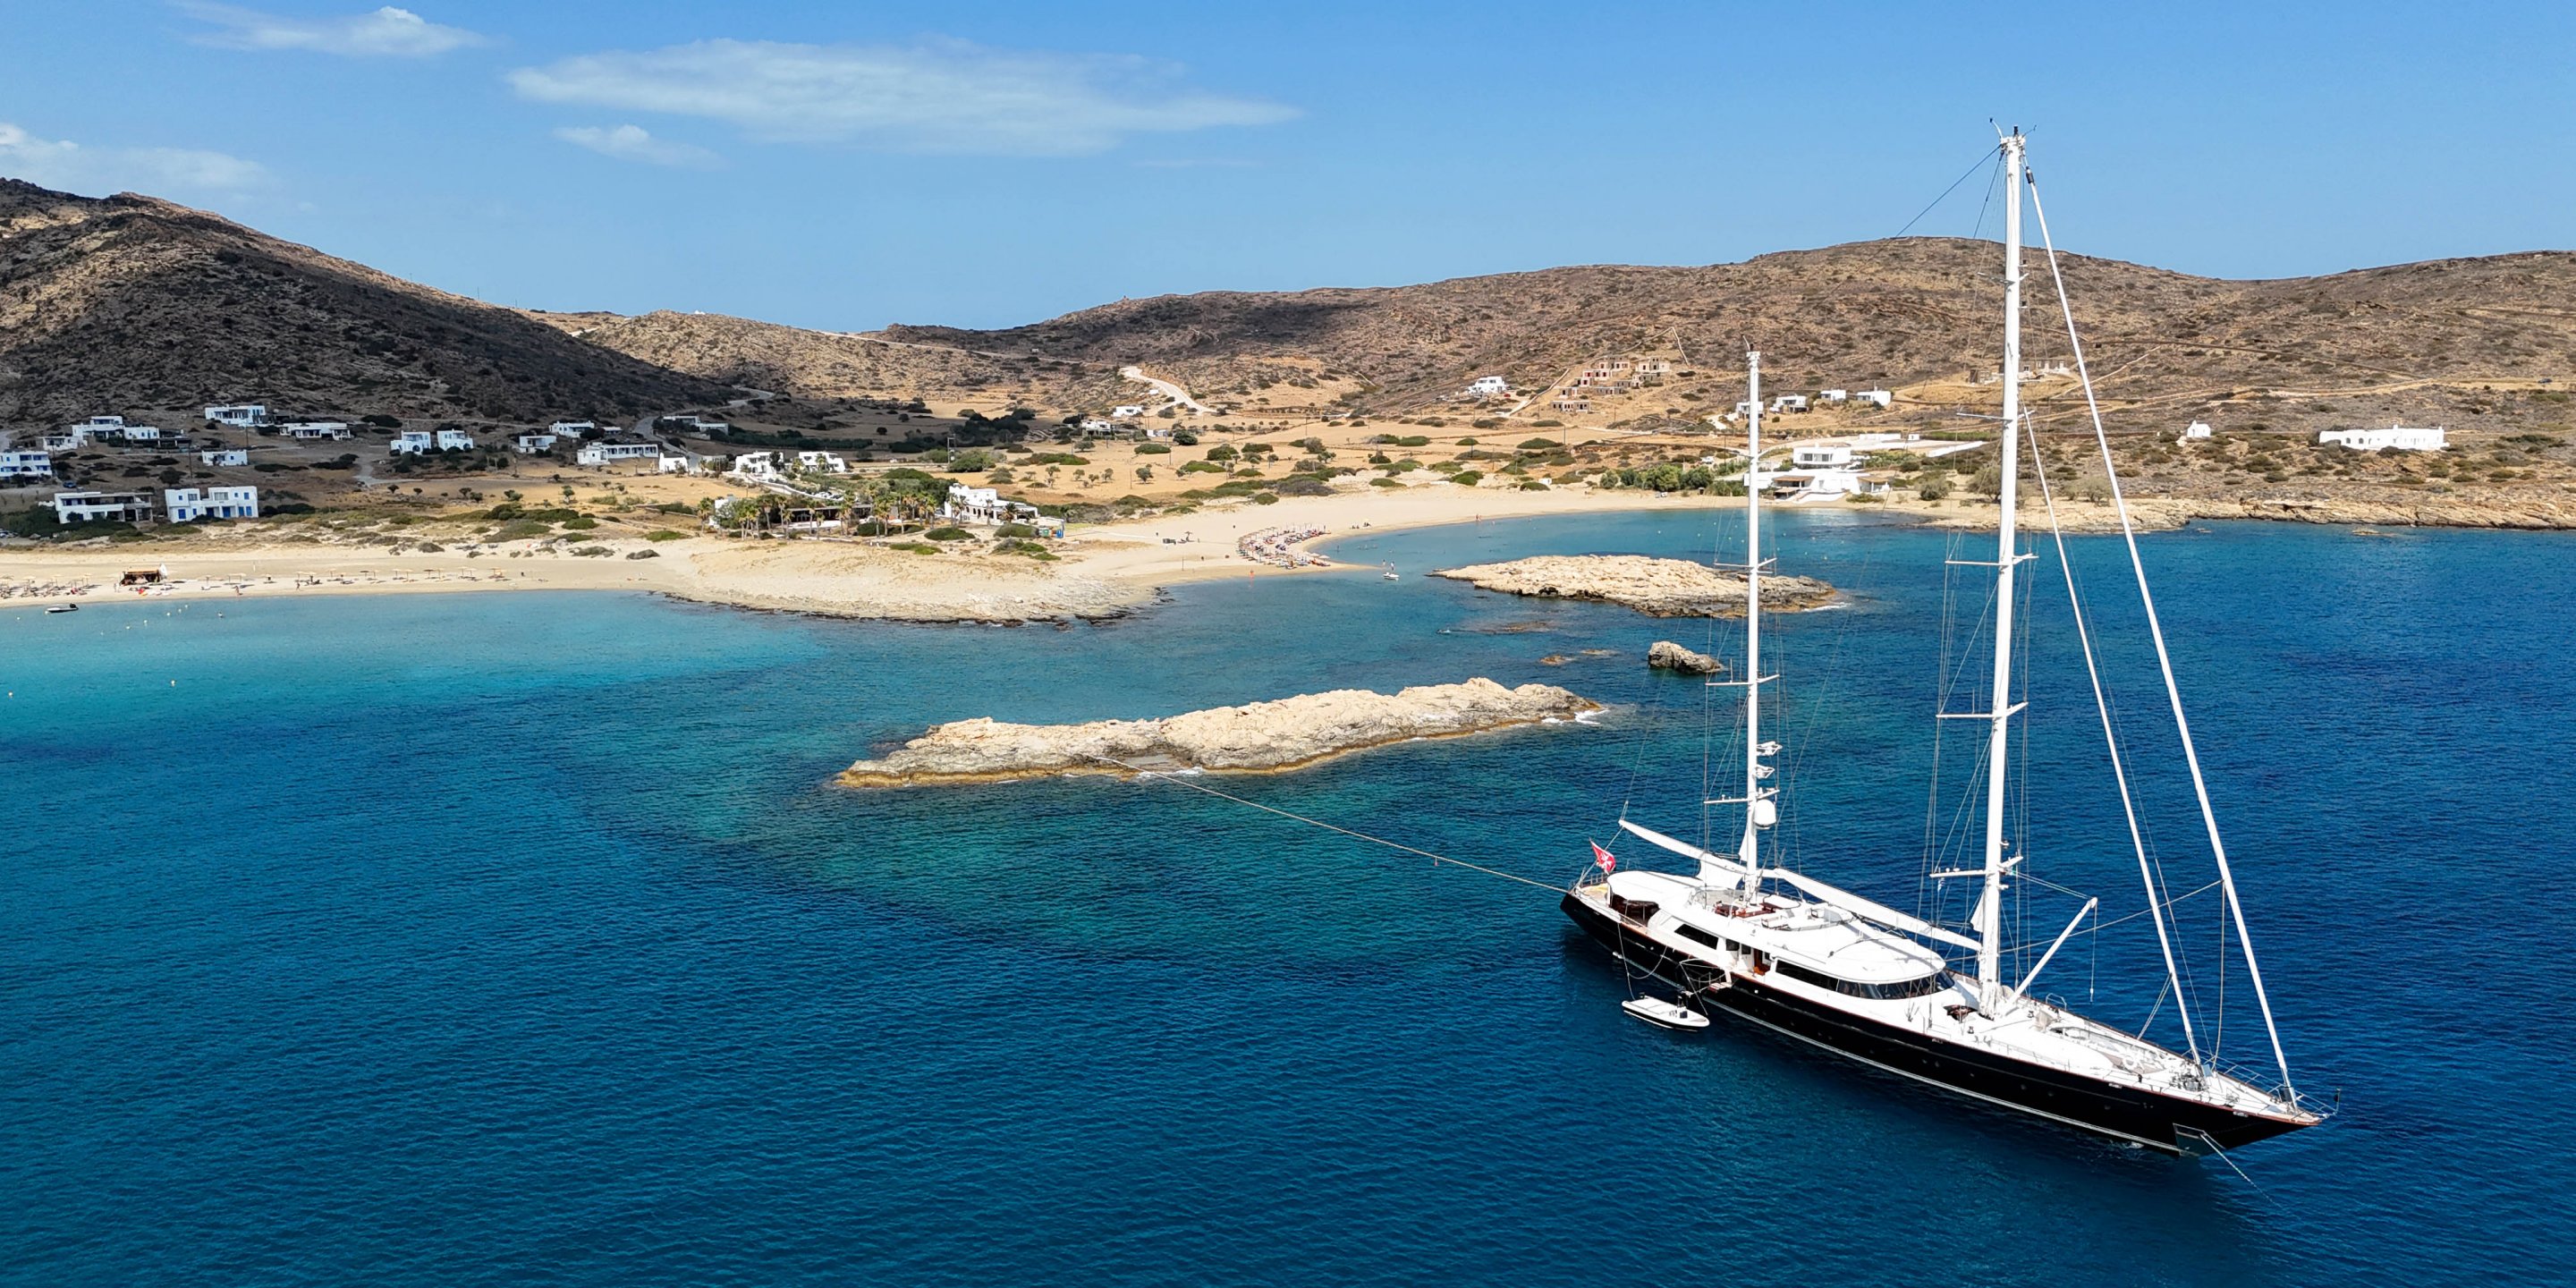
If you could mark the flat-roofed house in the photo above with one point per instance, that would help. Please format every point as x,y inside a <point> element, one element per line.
<point>83,507</point>
<point>2397,438</point>
<point>239,415</point>
<point>310,430</point>
<point>607,453</point>
<point>26,465</point>
<point>224,456</point>
<point>189,504</point>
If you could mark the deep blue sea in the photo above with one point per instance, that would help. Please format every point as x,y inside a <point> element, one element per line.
<point>523,939</point>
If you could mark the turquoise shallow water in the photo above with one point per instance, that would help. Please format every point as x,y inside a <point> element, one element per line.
<point>520,938</point>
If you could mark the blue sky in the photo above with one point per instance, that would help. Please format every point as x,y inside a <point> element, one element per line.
<point>848,165</point>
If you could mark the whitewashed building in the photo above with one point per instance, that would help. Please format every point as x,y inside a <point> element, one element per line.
<point>2195,430</point>
<point>83,507</point>
<point>983,505</point>
<point>755,465</point>
<point>826,462</point>
<point>410,442</point>
<point>1488,387</point>
<point>189,504</point>
<point>26,465</point>
<point>97,423</point>
<point>532,444</point>
<point>572,428</point>
<point>1831,396</point>
<point>224,456</point>
<point>2400,438</point>
<point>1820,456</point>
<point>64,440</point>
<point>1789,402</point>
<point>455,440</point>
<point>241,415</point>
<point>1126,411</point>
<point>309,430</point>
<point>608,453</point>
<point>1878,398</point>
<point>673,463</point>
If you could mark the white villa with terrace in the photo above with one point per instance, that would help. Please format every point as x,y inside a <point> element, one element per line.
<point>241,415</point>
<point>26,465</point>
<point>82,507</point>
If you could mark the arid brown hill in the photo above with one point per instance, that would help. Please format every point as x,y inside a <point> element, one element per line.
<point>1892,312</point>
<point>829,364</point>
<point>133,302</point>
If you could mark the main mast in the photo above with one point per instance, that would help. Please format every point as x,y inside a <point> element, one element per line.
<point>1755,802</point>
<point>1989,914</point>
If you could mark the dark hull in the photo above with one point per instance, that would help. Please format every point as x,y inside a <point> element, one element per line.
<point>2128,1113</point>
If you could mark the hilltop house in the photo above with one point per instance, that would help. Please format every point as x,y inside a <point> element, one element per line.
<point>1789,402</point>
<point>241,415</point>
<point>26,465</point>
<point>825,462</point>
<point>224,456</point>
<point>1878,398</point>
<point>530,444</point>
<point>605,453</point>
<point>1830,397</point>
<point>755,466</point>
<point>455,440</point>
<point>1488,387</point>
<point>2196,429</point>
<point>63,440</point>
<point>2402,438</point>
<point>1126,411</point>
<point>188,504</point>
<point>309,430</point>
<point>572,428</point>
<point>81,507</point>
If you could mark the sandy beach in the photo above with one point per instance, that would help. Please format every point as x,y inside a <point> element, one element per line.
<point>1102,570</point>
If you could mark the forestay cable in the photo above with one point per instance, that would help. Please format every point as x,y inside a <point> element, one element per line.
<point>2164,659</point>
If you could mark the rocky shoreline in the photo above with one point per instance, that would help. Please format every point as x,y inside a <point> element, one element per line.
<point>1259,737</point>
<point>1655,587</point>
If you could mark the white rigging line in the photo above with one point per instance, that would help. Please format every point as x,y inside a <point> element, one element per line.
<point>2164,660</point>
<point>2111,739</point>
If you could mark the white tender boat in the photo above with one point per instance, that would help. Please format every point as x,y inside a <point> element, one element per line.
<point>1663,1014</point>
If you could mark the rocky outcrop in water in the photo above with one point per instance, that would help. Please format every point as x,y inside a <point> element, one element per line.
<point>1668,656</point>
<point>1261,736</point>
<point>1657,587</point>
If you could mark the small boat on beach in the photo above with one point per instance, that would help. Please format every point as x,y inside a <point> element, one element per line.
<point>1663,1014</point>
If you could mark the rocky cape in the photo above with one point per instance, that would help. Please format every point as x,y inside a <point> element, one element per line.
<point>1288,733</point>
<point>1657,587</point>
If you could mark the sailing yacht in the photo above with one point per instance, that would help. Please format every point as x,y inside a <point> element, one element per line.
<point>1925,1001</point>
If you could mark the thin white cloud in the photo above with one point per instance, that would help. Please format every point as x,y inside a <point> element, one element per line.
<point>944,96</point>
<point>61,163</point>
<point>635,143</point>
<point>386,33</point>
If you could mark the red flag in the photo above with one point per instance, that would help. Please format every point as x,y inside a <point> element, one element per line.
<point>1602,858</point>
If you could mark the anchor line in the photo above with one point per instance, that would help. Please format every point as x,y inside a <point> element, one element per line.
<point>1162,776</point>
